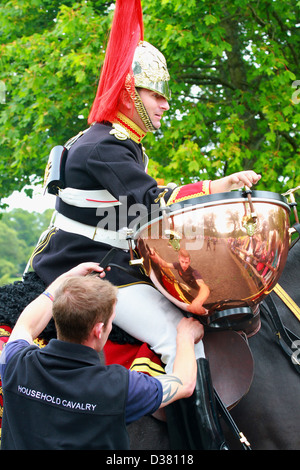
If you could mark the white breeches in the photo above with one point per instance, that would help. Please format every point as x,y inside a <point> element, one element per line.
<point>148,316</point>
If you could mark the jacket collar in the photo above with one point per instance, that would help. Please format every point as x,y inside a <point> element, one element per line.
<point>131,130</point>
<point>73,351</point>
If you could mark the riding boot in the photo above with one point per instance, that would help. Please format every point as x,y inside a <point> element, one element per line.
<point>193,422</point>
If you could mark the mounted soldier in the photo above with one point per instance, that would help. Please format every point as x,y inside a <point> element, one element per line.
<point>101,182</point>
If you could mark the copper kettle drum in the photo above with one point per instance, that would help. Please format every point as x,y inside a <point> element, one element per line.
<point>216,253</point>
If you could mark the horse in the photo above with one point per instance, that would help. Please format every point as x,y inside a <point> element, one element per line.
<point>269,414</point>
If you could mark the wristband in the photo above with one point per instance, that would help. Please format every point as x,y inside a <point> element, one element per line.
<point>47,294</point>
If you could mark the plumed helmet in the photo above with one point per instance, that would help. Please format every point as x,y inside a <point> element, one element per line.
<point>130,63</point>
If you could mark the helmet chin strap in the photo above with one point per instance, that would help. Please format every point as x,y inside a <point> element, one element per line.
<point>139,106</point>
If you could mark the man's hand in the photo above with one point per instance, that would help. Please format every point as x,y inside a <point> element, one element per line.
<point>190,327</point>
<point>37,314</point>
<point>196,307</point>
<point>235,181</point>
<point>84,269</point>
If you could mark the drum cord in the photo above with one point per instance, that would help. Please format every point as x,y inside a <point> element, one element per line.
<point>105,263</point>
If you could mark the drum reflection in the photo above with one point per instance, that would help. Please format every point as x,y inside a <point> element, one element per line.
<point>214,253</point>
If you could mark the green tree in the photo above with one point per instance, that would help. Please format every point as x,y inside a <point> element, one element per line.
<point>13,252</point>
<point>7,272</point>
<point>19,234</point>
<point>28,225</point>
<point>233,67</point>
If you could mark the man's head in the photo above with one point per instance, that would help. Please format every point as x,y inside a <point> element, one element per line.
<point>84,307</point>
<point>131,64</point>
<point>150,73</point>
<point>184,259</point>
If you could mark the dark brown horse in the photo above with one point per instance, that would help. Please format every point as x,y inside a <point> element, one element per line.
<point>269,414</point>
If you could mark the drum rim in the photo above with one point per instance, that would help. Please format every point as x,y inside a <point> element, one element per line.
<point>210,200</point>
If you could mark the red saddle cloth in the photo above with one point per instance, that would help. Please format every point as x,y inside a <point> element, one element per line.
<point>5,332</point>
<point>137,357</point>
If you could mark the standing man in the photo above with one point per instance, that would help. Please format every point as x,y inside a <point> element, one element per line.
<point>60,396</point>
<point>190,276</point>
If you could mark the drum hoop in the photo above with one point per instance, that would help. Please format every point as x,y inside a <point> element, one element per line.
<point>208,201</point>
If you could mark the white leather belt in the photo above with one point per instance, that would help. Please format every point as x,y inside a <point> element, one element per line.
<point>83,198</point>
<point>98,234</point>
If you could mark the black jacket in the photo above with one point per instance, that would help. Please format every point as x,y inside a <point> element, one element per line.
<point>65,400</point>
<point>98,160</point>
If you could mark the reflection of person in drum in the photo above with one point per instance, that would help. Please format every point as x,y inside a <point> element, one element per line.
<point>106,166</point>
<point>190,276</point>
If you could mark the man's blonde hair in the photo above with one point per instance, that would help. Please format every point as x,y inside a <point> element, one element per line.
<point>80,303</point>
<point>184,254</point>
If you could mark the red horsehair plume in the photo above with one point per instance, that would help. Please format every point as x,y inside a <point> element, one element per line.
<point>126,32</point>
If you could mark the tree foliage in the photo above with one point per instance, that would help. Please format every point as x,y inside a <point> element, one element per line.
<point>19,233</point>
<point>233,67</point>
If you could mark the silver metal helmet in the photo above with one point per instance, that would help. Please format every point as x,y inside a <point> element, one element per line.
<point>150,69</point>
<point>150,72</point>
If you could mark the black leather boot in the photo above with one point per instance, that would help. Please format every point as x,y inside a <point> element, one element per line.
<point>193,423</point>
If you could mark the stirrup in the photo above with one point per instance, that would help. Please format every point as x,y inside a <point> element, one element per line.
<point>193,422</point>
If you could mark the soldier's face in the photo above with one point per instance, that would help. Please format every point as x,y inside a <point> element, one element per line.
<point>155,105</point>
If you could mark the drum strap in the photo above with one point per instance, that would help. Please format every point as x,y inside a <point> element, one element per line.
<point>285,337</point>
<point>283,295</point>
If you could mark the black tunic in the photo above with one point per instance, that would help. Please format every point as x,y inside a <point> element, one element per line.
<point>98,160</point>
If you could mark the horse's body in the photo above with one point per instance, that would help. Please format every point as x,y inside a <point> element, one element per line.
<point>269,415</point>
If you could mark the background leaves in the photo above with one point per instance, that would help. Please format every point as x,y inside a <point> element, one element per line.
<point>19,233</point>
<point>233,68</point>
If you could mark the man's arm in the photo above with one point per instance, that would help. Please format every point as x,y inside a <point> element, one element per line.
<point>36,316</point>
<point>181,383</point>
<point>196,306</point>
<point>160,261</point>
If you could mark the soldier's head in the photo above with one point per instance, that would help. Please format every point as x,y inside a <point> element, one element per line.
<point>134,77</point>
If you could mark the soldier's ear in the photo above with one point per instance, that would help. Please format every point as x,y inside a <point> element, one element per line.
<point>126,102</point>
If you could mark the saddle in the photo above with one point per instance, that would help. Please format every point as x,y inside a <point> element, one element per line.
<point>231,364</point>
<point>230,358</point>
